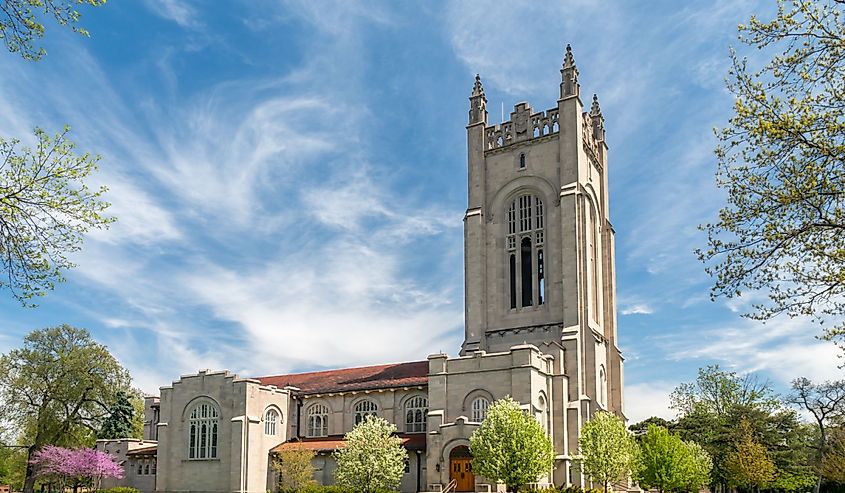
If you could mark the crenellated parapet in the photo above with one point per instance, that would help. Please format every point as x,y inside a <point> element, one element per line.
<point>523,126</point>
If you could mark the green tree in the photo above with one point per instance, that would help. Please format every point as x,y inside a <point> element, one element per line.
<point>639,429</point>
<point>45,209</point>
<point>119,422</point>
<point>710,409</point>
<point>702,464</point>
<point>56,389</point>
<point>511,446</point>
<point>781,160</point>
<point>21,25</point>
<point>749,464</point>
<point>608,451</point>
<point>824,402</point>
<point>833,465</point>
<point>373,459</point>
<point>295,469</point>
<point>667,463</point>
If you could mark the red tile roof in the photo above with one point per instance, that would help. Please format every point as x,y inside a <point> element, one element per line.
<point>393,375</point>
<point>411,441</point>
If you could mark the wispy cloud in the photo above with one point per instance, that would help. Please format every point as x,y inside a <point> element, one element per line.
<point>179,11</point>
<point>637,309</point>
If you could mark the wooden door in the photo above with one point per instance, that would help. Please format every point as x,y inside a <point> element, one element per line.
<point>461,472</point>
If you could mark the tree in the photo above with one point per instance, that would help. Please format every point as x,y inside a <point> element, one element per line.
<point>667,463</point>
<point>20,24</point>
<point>711,408</point>
<point>781,160</point>
<point>119,422</point>
<point>295,469</point>
<point>824,401</point>
<point>45,209</point>
<point>641,428</point>
<point>749,464</point>
<point>833,464</point>
<point>608,452</point>
<point>718,392</point>
<point>75,466</point>
<point>57,388</point>
<point>373,458</point>
<point>702,464</point>
<point>510,446</point>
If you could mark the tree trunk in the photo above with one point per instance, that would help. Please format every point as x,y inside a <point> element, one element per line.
<point>29,477</point>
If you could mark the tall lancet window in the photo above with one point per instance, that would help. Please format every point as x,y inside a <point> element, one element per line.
<point>594,260</point>
<point>524,242</point>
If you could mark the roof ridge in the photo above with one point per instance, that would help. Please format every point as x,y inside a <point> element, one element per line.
<point>341,369</point>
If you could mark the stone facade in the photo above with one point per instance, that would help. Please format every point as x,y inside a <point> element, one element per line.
<point>540,326</point>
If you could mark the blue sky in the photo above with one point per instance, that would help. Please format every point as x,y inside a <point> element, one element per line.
<point>289,179</point>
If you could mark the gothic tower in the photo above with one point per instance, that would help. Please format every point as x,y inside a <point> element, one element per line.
<point>539,245</point>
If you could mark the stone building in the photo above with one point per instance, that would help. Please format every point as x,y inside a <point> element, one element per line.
<point>540,326</point>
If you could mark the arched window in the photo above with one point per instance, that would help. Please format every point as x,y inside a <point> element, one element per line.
<point>202,431</point>
<point>363,409</point>
<point>526,267</point>
<point>602,387</point>
<point>522,161</point>
<point>479,409</point>
<point>416,410</point>
<point>318,421</point>
<point>271,417</point>
<point>542,413</point>
<point>593,261</point>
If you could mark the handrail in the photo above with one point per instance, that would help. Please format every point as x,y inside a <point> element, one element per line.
<point>451,487</point>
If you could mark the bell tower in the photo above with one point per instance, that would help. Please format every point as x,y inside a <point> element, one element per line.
<point>539,259</point>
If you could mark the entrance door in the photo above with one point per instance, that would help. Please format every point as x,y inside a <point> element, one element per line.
<point>461,472</point>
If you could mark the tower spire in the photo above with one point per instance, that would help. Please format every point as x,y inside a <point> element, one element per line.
<point>477,103</point>
<point>569,76</point>
<point>597,119</point>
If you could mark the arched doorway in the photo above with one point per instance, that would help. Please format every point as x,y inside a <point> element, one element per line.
<point>460,468</point>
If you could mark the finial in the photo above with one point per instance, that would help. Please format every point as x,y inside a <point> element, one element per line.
<point>568,59</point>
<point>477,89</point>
<point>595,110</point>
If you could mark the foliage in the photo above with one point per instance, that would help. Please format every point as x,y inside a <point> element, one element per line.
<point>702,465</point>
<point>710,410</point>
<point>56,388</point>
<point>45,209</point>
<point>119,422</point>
<point>121,489</point>
<point>317,488</point>
<point>510,446</point>
<point>833,465</point>
<point>295,469</point>
<point>373,459</point>
<point>782,162</point>
<point>21,26</point>
<point>560,489</point>
<point>608,451</point>
<point>667,463</point>
<point>824,402</point>
<point>639,429</point>
<point>718,391</point>
<point>74,466</point>
<point>749,464</point>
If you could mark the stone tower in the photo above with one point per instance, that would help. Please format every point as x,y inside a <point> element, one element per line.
<point>539,245</point>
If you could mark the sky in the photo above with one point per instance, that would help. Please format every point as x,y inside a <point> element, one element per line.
<point>289,179</point>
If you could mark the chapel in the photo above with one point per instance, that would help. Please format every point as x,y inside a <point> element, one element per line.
<point>540,326</point>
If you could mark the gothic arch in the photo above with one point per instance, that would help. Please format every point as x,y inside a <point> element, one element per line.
<point>193,403</point>
<point>452,444</point>
<point>474,394</point>
<point>524,184</point>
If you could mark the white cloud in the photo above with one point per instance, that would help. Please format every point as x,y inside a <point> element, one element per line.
<point>637,309</point>
<point>178,11</point>
<point>783,348</point>
<point>644,400</point>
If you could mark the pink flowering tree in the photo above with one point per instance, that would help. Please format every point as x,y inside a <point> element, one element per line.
<point>75,467</point>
